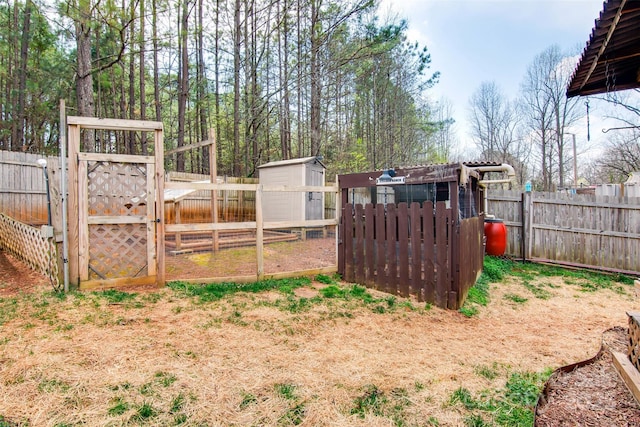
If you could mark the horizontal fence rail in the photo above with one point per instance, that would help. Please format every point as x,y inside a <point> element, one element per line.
<point>601,232</point>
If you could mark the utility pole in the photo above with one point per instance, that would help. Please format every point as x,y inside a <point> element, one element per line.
<point>575,160</point>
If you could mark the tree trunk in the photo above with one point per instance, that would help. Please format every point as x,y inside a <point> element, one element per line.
<point>217,78</point>
<point>202,89</point>
<point>22,85</point>
<point>183,83</point>
<point>300,63</point>
<point>316,84</point>
<point>237,39</point>
<point>13,80</point>
<point>131,149</point>
<point>285,105</point>
<point>143,98</point>
<point>156,77</point>
<point>84,80</point>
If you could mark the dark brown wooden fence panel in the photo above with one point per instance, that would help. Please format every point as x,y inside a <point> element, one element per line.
<point>359,254</point>
<point>348,243</point>
<point>471,256</point>
<point>403,249</point>
<point>428,227</point>
<point>407,251</point>
<point>416,252</point>
<point>381,261</point>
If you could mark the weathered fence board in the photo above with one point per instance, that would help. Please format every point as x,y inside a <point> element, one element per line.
<point>428,224</point>
<point>359,244</point>
<point>416,252</point>
<point>380,277</point>
<point>584,230</point>
<point>442,265</point>
<point>392,257</point>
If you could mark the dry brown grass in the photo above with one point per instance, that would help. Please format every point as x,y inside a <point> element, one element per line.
<point>246,360</point>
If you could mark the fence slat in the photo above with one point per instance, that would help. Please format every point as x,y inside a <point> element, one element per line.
<point>403,249</point>
<point>428,257</point>
<point>369,244</point>
<point>348,243</point>
<point>441,254</point>
<point>416,253</point>
<point>381,256</point>
<point>392,252</point>
<point>359,254</point>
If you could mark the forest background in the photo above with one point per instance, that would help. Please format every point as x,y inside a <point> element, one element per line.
<point>278,79</point>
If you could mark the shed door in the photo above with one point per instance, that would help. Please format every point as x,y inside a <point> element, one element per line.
<point>314,206</point>
<point>117,223</point>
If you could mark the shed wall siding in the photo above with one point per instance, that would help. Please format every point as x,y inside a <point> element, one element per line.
<point>293,206</point>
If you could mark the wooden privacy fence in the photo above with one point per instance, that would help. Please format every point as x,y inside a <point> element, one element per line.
<point>571,229</point>
<point>23,194</point>
<point>412,250</point>
<point>195,206</point>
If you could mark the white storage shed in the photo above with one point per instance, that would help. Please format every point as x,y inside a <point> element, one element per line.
<point>293,206</point>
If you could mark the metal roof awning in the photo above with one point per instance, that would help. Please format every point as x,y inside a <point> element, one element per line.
<point>611,59</point>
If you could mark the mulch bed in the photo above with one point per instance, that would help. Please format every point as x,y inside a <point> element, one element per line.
<point>590,393</point>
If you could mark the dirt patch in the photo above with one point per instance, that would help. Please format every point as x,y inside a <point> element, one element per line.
<point>269,359</point>
<point>17,277</point>
<point>241,261</point>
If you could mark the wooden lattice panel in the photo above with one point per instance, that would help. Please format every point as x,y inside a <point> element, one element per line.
<point>633,346</point>
<point>117,188</point>
<point>117,250</point>
<point>26,243</point>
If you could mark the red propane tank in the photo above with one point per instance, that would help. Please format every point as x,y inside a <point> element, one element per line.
<point>496,233</point>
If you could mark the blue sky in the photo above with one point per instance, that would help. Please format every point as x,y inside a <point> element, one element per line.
<point>473,41</point>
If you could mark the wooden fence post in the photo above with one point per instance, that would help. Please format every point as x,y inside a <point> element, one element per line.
<point>527,228</point>
<point>523,232</point>
<point>259,233</point>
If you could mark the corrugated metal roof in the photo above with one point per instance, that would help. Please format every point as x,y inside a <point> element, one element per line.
<point>611,59</point>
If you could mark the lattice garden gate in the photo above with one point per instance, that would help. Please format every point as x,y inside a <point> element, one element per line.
<point>115,203</point>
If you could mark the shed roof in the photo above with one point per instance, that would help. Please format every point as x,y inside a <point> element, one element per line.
<point>611,59</point>
<point>177,194</point>
<point>298,161</point>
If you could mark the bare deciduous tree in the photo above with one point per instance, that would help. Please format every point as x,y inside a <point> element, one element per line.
<point>549,113</point>
<point>494,122</point>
